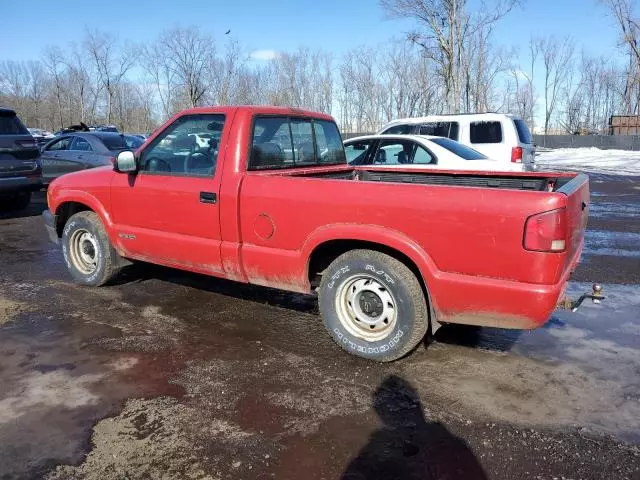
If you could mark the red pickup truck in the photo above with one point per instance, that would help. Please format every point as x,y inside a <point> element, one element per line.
<point>264,195</point>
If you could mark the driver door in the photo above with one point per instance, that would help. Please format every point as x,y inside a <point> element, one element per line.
<point>168,212</point>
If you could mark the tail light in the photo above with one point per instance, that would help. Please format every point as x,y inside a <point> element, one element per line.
<point>546,232</point>
<point>516,155</point>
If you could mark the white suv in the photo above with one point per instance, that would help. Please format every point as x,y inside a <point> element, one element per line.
<point>499,136</point>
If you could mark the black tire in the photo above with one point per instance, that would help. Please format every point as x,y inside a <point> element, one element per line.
<point>388,274</point>
<point>107,264</point>
<point>22,200</point>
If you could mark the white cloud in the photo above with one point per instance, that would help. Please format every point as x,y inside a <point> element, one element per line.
<point>264,55</point>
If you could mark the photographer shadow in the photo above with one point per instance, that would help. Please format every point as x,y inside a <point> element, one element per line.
<point>408,446</point>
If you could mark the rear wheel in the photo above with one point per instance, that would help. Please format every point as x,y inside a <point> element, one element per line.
<point>90,258</point>
<point>373,305</point>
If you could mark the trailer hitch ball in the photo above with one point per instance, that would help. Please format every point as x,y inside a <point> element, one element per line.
<point>595,295</point>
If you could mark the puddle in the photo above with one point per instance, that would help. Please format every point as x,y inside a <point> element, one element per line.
<point>579,369</point>
<point>56,384</point>
<point>613,209</point>
<point>619,244</point>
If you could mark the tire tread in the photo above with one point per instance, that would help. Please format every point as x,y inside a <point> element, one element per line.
<point>112,266</point>
<point>408,278</point>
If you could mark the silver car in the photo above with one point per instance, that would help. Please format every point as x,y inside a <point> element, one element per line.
<point>75,151</point>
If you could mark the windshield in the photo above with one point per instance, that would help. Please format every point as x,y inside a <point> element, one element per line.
<point>122,142</point>
<point>459,149</point>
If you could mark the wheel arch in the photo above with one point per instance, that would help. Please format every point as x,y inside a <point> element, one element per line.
<point>80,202</point>
<point>324,246</point>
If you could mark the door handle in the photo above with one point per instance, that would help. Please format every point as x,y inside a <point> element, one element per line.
<point>208,197</point>
<point>81,156</point>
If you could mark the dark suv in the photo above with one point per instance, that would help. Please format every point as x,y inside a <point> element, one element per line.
<point>20,168</point>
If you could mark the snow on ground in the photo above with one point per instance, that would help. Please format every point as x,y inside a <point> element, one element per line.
<point>593,160</point>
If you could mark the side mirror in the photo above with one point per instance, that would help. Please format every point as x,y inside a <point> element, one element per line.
<point>126,162</point>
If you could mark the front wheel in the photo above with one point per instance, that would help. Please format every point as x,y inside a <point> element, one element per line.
<point>90,258</point>
<point>373,305</point>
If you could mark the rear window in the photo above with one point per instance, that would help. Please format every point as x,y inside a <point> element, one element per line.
<point>486,132</point>
<point>459,149</point>
<point>11,125</point>
<point>121,142</point>
<point>283,142</point>
<point>440,129</point>
<point>403,129</point>
<point>523,131</point>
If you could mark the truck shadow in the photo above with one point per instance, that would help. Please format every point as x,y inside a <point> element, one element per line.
<point>292,301</point>
<point>407,445</point>
<point>494,339</point>
<point>485,338</point>
<point>36,207</point>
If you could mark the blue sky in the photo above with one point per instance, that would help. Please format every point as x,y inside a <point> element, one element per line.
<point>29,26</point>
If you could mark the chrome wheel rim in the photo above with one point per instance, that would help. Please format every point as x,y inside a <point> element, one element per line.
<point>366,308</point>
<point>84,251</point>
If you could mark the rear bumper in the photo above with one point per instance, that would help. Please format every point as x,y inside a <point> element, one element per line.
<point>9,185</point>
<point>50,222</point>
<point>497,303</point>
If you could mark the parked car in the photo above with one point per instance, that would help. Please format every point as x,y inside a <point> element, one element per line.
<point>104,128</point>
<point>142,136</point>
<point>80,127</point>
<point>70,152</point>
<point>418,151</point>
<point>389,252</point>
<point>20,170</point>
<point>500,136</point>
<point>40,135</point>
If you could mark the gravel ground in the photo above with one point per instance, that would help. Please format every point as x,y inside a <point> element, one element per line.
<point>171,375</point>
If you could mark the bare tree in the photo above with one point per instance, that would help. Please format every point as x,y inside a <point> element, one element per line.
<point>80,82</point>
<point>155,62</point>
<point>556,61</point>
<point>54,62</point>
<point>111,63</point>
<point>629,24</point>
<point>445,28</point>
<point>36,91</point>
<point>189,53</point>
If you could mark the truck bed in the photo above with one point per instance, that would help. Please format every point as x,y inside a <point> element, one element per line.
<point>543,182</point>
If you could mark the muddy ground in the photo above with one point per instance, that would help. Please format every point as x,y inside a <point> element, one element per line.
<point>171,375</point>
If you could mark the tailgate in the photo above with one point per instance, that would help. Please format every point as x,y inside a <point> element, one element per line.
<point>577,193</point>
<point>18,155</point>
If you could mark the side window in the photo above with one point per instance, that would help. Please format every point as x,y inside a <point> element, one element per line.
<point>398,130</point>
<point>302,136</point>
<point>329,147</point>
<point>62,144</point>
<point>440,129</point>
<point>357,152</point>
<point>393,152</point>
<point>486,132</point>
<point>422,156</point>
<point>189,146</point>
<point>81,144</point>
